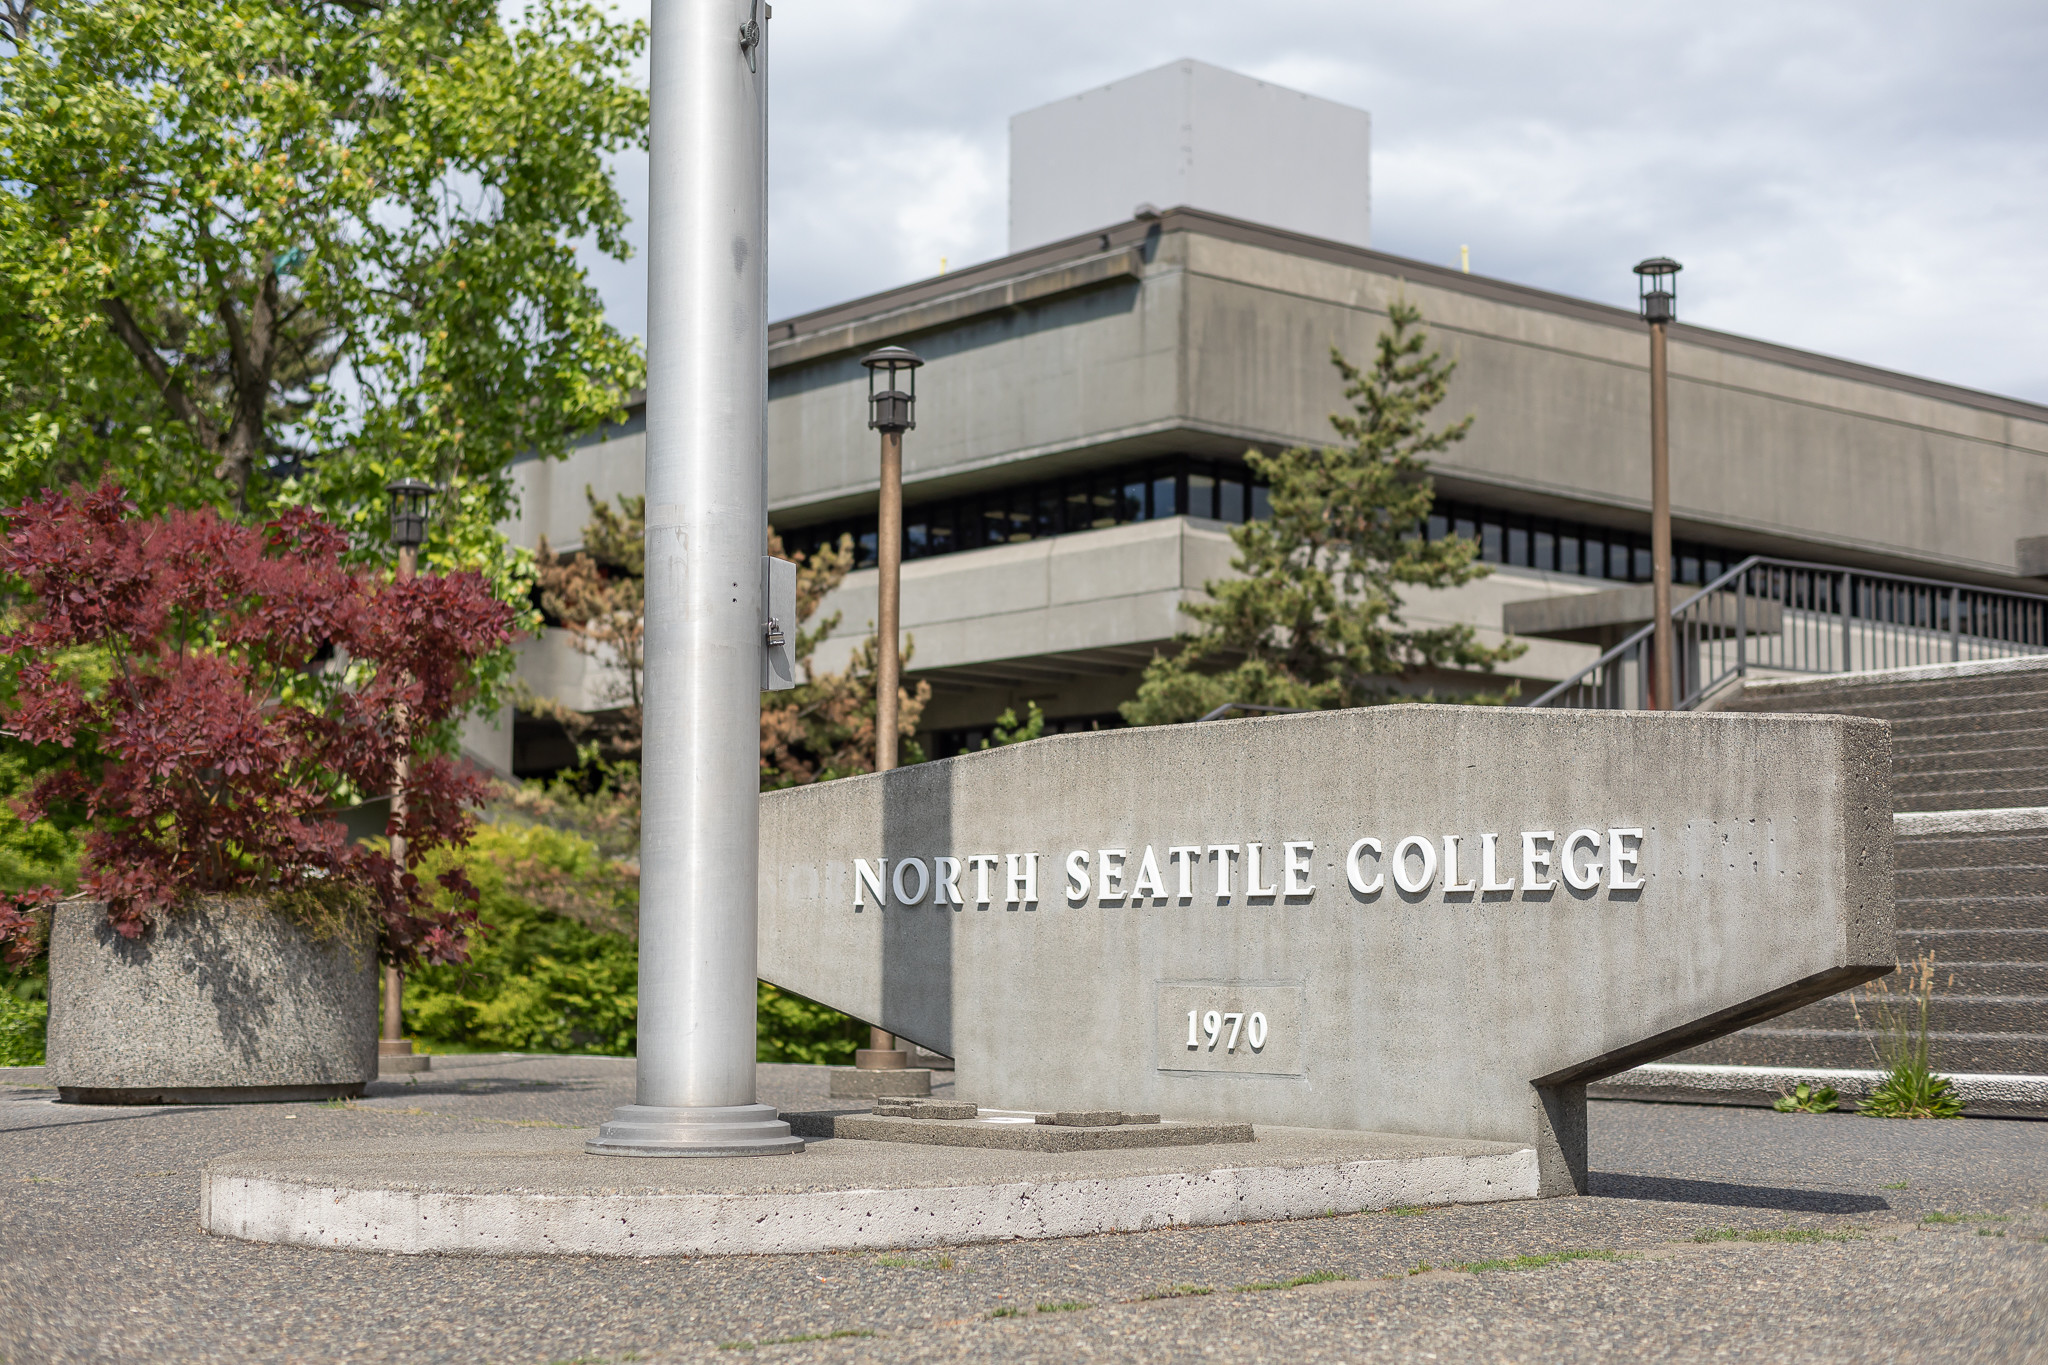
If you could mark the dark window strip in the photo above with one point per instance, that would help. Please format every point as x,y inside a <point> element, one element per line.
<point>1225,491</point>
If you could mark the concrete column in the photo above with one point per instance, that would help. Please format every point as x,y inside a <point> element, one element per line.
<point>707,393</point>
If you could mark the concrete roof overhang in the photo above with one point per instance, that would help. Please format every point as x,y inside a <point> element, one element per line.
<point>1120,251</point>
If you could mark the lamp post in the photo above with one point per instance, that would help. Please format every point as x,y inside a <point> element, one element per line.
<point>411,501</point>
<point>892,410</point>
<point>707,518</point>
<point>1657,298</point>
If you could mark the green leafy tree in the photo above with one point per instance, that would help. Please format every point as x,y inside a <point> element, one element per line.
<point>287,250</point>
<point>1315,621</point>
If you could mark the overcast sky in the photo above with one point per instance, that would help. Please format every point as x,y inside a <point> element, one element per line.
<point>1868,180</point>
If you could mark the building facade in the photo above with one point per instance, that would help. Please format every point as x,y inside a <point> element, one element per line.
<point>1086,406</point>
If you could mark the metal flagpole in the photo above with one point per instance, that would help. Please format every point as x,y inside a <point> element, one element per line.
<point>707,391</point>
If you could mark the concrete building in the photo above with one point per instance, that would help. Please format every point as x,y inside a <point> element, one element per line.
<point>1087,403</point>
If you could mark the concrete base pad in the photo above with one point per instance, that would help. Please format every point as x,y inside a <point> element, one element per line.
<point>1984,1094</point>
<point>528,1192</point>
<point>854,1083</point>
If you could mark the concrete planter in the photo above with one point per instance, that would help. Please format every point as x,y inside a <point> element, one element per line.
<point>221,1003</point>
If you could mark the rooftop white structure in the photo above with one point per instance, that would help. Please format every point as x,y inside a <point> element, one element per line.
<point>1194,135</point>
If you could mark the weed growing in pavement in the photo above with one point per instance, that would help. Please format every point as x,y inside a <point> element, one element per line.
<point>1532,1262</point>
<point>1420,1268</point>
<point>1939,1217</point>
<point>839,1335</point>
<point>1313,1277</point>
<point>1895,1185</point>
<point>1067,1306</point>
<point>1414,1210</point>
<point>906,1263</point>
<point>1808,1099</point>
<point>1178,1291</point>
<point>1007,1313</point>
<point>1777,1235</point>
<point>1991,1232</point>
<point>1909,1088</point>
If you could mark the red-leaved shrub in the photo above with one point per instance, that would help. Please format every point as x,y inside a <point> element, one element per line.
<point>254,685</point>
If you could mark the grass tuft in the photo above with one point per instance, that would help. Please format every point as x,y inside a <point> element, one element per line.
<point>1776,1235</point>
<point>1007,1313</point>
<point>1895,1185</point>
<point>1909,1088</point>
<point>1065,1306</point>
<point>1533,1262</point>
<point>1414,1210</point>
<point>1313,1277</point>
<point>839,1335</point>
<point>1179,1291</point>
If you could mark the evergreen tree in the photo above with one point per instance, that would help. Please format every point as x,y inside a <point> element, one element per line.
<point>1316,620</point>
<point>825,727</point>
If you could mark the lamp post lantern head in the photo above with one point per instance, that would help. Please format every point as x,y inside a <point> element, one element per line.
<point>1657,288</point>
<point>891,408</point>
<point>409,500</point>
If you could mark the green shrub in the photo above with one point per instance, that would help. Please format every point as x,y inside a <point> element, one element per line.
<point>554,966</point>
<point>23,1018</point>
<point>549,969</point>
<point>790,1028</point>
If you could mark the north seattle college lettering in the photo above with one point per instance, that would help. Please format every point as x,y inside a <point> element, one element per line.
<point>1283,870</point>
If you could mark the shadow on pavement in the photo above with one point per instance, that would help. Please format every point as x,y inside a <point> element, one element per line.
<point>458,1085</point>
<point>1664,1189</point>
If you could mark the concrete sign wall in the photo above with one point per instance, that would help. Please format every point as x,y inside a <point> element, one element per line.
<point>1417,919</point>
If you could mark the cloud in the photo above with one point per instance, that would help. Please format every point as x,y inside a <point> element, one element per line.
<point>1868,180</point>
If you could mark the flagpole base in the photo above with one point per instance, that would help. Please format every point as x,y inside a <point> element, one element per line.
<point>710,1130</point>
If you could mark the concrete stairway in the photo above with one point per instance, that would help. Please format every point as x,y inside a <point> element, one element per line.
<point>1970,783</point>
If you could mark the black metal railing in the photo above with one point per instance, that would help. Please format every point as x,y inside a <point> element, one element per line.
<point>1782,617</point>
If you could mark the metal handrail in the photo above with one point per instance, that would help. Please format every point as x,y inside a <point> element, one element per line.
<point>1800,594</point>
<point>1220,712</point>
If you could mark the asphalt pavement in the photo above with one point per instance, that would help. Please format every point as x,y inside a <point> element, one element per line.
<point>1710,1233</point>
